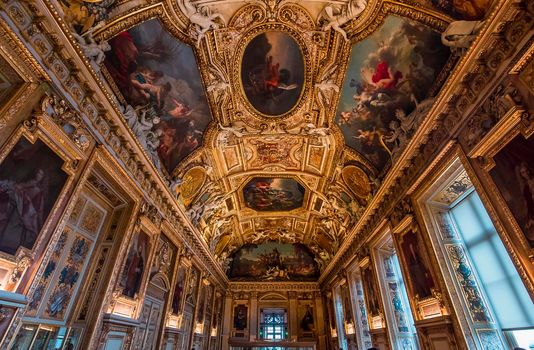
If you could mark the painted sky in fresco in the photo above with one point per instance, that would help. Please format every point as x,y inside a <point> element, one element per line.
<point>389,74</point>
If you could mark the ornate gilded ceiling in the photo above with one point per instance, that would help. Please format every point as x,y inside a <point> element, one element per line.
<point>271,121</point>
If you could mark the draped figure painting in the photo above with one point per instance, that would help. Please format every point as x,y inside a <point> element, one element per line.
<point>31,180</point>
<point>136,263</point>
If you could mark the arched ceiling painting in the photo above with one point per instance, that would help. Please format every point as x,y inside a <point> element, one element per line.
<point>273,122</point>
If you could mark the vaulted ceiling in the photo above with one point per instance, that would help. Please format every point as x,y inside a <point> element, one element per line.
<point>273,121</point>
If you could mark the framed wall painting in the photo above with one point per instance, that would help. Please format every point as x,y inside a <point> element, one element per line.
<point>136,265</point>
<point>414,261</point>
<point>240,319</point>
<point>31,179</point>
<point>417,269</point>
<point>513,175</point>
<point>346,300</point>
<point>217,311</point>
<point>192,288</point>
<point>370,289</point>
<point>32,191</point>
<point>504,155</point>
<point>201,305</point>
<point>501,168</point>
<point>306,319</point>
<point>133,279</point>
<point>177,301</point>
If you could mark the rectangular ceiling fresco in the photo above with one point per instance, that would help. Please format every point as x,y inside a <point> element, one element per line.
<point>389,76</point>
<point>158,76</point>
<point>273,194</point>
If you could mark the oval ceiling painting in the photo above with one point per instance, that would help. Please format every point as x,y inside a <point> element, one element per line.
<point>272,73</point>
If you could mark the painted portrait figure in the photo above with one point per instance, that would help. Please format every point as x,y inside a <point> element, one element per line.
<point>240,317</point>
<point>135,265</point>
<point>526,178</point>
<point>420,277</point>
<point>178,290</point>
<point>347,309</point>
<point>192,286</point>
<point>201,303</point>
<point>371,294</point>
<point>29,187</point>
<point>217,312</point>
<point>517,158</point>
<point>307,322</point>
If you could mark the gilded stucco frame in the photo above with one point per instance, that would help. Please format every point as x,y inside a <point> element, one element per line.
<point>17,63</point>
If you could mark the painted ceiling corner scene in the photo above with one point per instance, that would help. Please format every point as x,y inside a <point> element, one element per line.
<point>274,123</point>
<point>389,85</point>
<point>156,75</point>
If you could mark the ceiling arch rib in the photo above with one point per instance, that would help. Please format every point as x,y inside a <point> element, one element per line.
<point>273,122</point>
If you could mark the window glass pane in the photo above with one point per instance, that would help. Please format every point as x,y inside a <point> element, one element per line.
<point>524,338</point>
<point>505,290</point>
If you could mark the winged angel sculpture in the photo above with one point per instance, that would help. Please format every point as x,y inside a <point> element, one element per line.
<point>201,17</point>
<point>335,16</point>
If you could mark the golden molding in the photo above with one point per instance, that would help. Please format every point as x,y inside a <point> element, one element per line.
<point>273,286</point>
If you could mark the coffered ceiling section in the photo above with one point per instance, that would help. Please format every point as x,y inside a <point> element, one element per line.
<point>272,121</point>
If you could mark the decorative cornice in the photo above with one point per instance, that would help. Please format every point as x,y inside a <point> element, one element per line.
<point>273,286</point>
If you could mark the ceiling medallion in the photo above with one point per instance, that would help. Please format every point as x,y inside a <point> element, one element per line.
<point>193,179</point>
<point>357,180</point>
<point>273,73</point>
